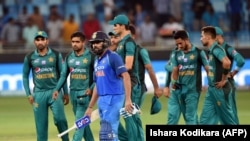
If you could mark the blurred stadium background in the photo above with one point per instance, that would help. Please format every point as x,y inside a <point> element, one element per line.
<point>154,20</point>
<point>19,19</point>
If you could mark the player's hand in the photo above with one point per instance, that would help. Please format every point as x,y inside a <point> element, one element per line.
<point>158,92</point>
<point>166,92</point>
<point>65,99</point>
<point>128,106</point>
<point>88,92</point>
<point>31,99</point>
<point>220,84</point>
<point>232,74</point>
<point>88,112</point>
<point>54,95</point>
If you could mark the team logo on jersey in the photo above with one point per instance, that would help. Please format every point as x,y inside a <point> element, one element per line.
<point>71,69</point>
<point>234,52</point>
<point>51,59</point>
<point>218,103</point>
<point>43,62</point>
<point>185,59</point>
<point>103,61</point>
<point>85,61</point>
<point>37,69</point>
<point>180,67</point>
<point>191,57</point>
<point>36,61</point>
<point>120,47</point>
<point>71,60</point>
<point>77,63</point>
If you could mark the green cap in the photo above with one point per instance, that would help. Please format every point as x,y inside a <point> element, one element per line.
<point>218,31</point>
<point>120,19</point>
<point>156,106</point>
<point>41,34</point>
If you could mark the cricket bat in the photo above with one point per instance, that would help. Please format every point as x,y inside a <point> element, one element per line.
<point>82,122</point>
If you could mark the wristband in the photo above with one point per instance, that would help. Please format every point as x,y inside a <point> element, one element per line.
<point>226,71</point>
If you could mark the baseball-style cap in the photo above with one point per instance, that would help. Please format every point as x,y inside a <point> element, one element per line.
<point>155,106</point>
<point>112,33</point>
<point>120,19</point>
<point>98,36</point>
<point>41,34</point>
<point>218,31</point>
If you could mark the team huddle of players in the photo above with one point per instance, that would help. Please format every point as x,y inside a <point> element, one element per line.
<point>112,70</point>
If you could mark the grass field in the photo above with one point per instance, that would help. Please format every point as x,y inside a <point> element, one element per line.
<point>17,121</point>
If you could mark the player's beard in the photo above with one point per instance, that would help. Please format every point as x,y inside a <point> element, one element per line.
<point>97,51</point>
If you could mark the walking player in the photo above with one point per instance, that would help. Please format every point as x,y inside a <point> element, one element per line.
<point>111,79</point>
<point>186,80</point>
<point>218,101</point>
<point>45,65</point>
<point>128,51</point>
<point>79,63</point>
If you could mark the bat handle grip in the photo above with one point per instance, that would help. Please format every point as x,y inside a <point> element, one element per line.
<point>66,131</point>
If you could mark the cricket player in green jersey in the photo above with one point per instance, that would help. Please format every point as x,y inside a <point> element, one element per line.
<point>79,63</point>
<point>128,51</point>
<point>144,62</point>
<point>45,65</point>
<point>218,101</point>
<point>169,68</point>
<point>234,56</point>
<point>186,80</point>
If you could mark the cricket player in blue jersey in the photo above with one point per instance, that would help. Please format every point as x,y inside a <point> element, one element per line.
<point>112,89</point>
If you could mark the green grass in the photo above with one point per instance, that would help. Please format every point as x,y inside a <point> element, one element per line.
<point>17,121</point>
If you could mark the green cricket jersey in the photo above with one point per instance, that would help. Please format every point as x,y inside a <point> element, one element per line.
<point>127,47</point>
<point>216,54</point>
<point>189,65</point>
<point>80,69</point>
<point>233,55</point>
<point>45,70</point>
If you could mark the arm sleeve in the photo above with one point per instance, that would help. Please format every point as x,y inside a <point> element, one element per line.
<point>60,65</point>
<point>219,53</point>
<point>117,64</point>
<point>145,56</point>
<point>238,58</point>
<point>26,72</point>
<point>204,58</point>
<point>63,76</point>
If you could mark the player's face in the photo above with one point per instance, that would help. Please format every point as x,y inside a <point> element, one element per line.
<point>41,43</point>
<point>117,28</point>
<point>115,40</point>
<point>204,39</point>
<point>77,44</point>
<point>97,47</point>
<point>181,44</point>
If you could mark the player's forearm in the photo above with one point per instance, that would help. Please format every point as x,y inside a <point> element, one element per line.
<point>127,85</point>
<point>93,98</point>
<point>153,78</point>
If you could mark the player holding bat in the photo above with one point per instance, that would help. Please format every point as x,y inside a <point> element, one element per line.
<point>112,88</point>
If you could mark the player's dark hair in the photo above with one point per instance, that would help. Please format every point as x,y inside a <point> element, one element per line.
<point>210,30</point>
<point>132,29</point>
<point>180,34</point>
<point>78,34</point>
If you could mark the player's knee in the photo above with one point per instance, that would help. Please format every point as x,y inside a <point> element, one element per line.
<point>106,133</point>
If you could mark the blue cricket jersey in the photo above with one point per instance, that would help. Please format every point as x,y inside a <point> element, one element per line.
<point>107,74</point>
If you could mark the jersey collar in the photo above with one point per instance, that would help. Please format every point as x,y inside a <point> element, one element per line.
<point>48,52</point>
